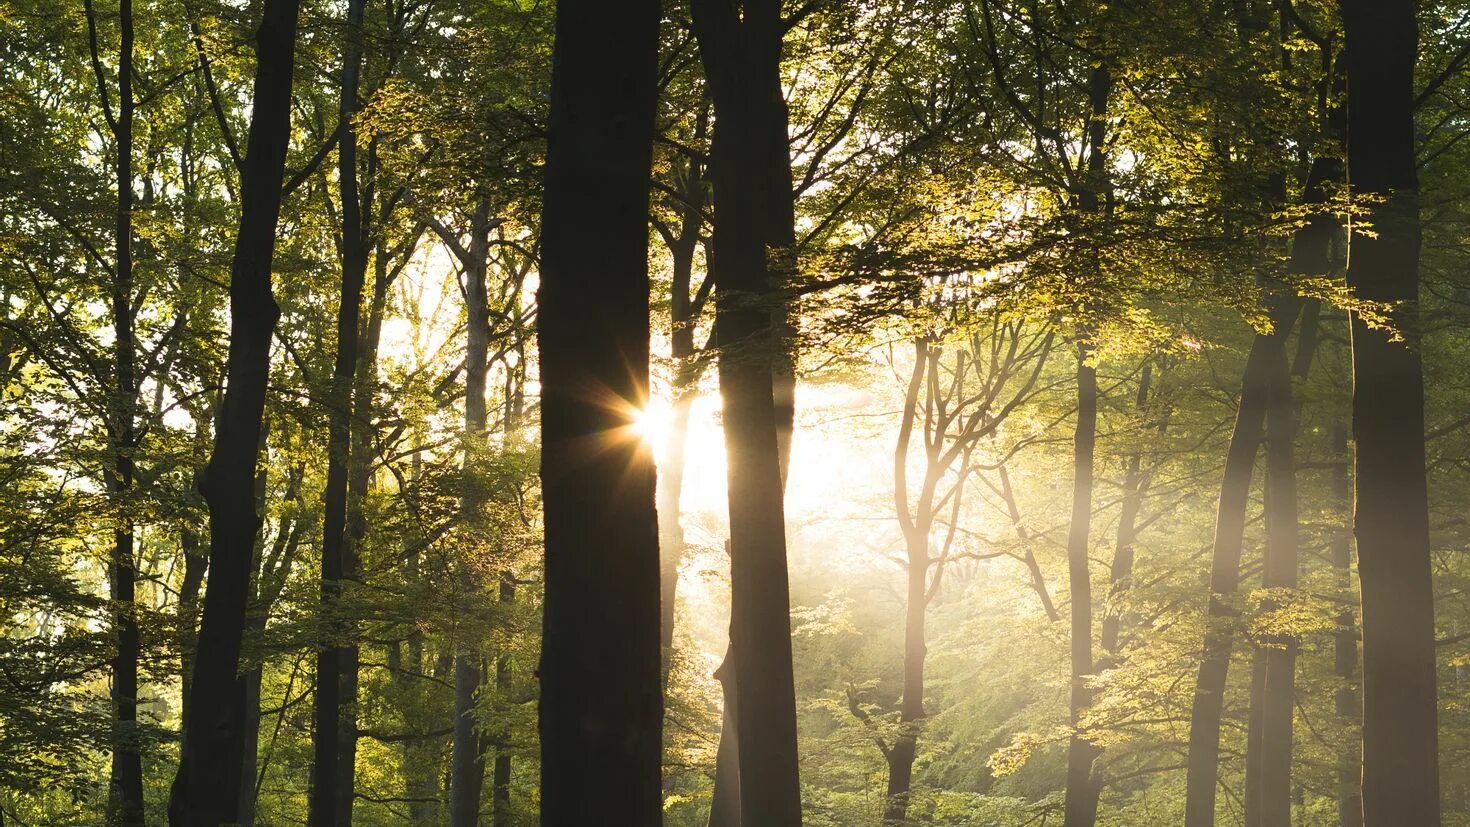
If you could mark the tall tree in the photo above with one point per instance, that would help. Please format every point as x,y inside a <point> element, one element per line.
<point>331,798</point>
<point>601,702</point>
<point>206,789</point>
<point>1391,511</point>
<point>1267,358</point>
<point>994,372</point>
<point>1095,194</point>
<point>467,761</point>
<point>125,793</point>
<point>750,169</point>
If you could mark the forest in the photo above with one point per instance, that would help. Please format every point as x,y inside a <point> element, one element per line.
<point>735,413</point>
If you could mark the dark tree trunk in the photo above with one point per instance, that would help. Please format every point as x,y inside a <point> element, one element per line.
<point>195,562</point>
<point>1082,792</point>
<point>754,234</point>
<point>1273,680</point>
<point>1400,738</point>
<point>500,812</point>
<point>250,749</point>
<point>125,794</point>
<point>1273,672</point>
<point>206,790</point>
<point>1267,352</point>
<point>601,703</point>
<point>331,794</point>
<point>467,758</point>
<point>255,621</point>
<point>419,761</point>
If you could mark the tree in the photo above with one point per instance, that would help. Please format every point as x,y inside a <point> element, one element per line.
<point>601,707</point>
<point>1390,514</point>
<point>206,789</point>
<point>750,173</point>
<point>994,372</point>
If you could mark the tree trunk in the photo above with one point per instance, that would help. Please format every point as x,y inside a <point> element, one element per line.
<point>754,232</point>
<point>1083,788</point>
<point>1120,575</point>
<point>1345,646</point>
<point>125,794</point>
<point>1028,556</point>
<point>256,613</point>
<point>1400,738</point>
<point>911,710</point>
<point>1273,690</point>
<point>331,794</point>
<point>195,563</point>
<point>724,808</point>
<point>1082,792</point>
<point>1267,351</point>
<point>250,747</point>
<point>682,318</point>
<point>206,790</point>
<point>467,759</point>
<point>601,703</point>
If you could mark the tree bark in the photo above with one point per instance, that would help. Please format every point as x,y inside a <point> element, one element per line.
<point>500,812</point>
<point>1082,792</point>
<point>331,794</point>
<point>467,759</point>
<point>754,234</point>
<point>1391,521</point>
<point>1345,646</point>
<point>125,794</point>
<point>601,703</point>
<point>1273,691</point>
<point>915,526</point>
<point>206,789</point>
<point>1267,351</point>
<point>1083,788</point>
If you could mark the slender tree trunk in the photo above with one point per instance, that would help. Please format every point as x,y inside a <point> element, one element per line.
<point>1273,692</point>
<point>500,778</point>
<point>1028,556</point>
<point>250,748</point>
<point>682,313</point>
<point>1082,792</point>
<point>419,785</point>
<point>754,233</point>
<point>1120,577</point>
<point>206,790</point>
<point>331,795</point>
<point>1083,788</point>
<point>500,773</point>
<point>1400,737</point>
<point>1345,646</point>
<point>195,562</point>
<point>601,676</point>
<point>467,760</point>
<point>911,710</point>
<point>256,613</point>
<point>1267,351</point>
<point>125,795</point>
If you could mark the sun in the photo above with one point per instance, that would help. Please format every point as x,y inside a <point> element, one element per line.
<point>653,424</point>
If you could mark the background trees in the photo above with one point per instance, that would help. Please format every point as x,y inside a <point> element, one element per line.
<point>1160,250</point>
